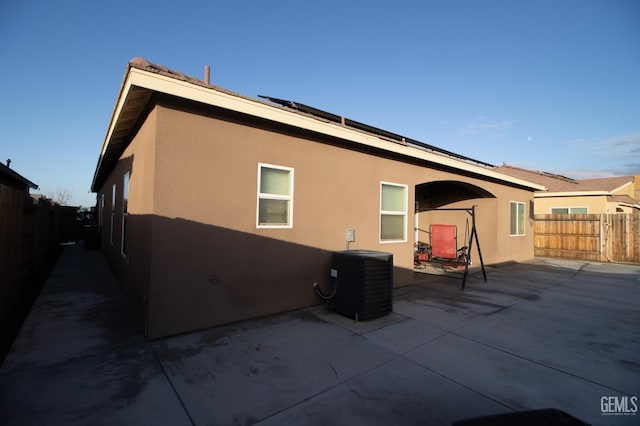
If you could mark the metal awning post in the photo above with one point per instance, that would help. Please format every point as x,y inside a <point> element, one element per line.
<point>472,212</point>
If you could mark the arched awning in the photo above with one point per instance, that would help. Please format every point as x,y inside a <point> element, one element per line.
<point>440,193</point>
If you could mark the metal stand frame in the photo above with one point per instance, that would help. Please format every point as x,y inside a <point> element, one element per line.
<point>474,234</point>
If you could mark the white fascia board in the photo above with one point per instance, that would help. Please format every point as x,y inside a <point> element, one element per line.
<point>211,96</point>
<point>117,110</point>
<point>570,194</point>
<point>633,206</point>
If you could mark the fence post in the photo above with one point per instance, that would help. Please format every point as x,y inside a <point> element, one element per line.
<point>603,239</point>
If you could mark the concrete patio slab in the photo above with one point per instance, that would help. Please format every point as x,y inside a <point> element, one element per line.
<point>562,334</point>
<point>511,380</point>
<point>399,392</point>
<point>405,336</point>
<point>542,334</point>
<point>78,359</point>
<point>124,386</point>
<point>263,367</point>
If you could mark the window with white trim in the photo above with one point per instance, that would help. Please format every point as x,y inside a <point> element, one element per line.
<point>393,212</point>
<point>101,212</point>
<point>125,213</point>
<point>516,218</point>
<point>113,211</point>
<point>275,197</point>
<point>569,210</point>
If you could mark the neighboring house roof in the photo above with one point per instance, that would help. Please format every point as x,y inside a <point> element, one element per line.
<point>142,78</point>
<point>8,174</point>
<point>623,199</point>
<point>551,182</point>
<point>611,184</point>
<point>557,185</point>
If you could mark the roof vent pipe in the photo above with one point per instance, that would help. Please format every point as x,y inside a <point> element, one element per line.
<point>207,74</point>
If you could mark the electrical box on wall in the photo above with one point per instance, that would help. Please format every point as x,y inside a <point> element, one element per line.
<point>351,235</point>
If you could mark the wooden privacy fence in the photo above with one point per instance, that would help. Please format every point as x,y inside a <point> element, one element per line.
<point>592,237</point>
<point>30,233</point>
<point>11,224</point>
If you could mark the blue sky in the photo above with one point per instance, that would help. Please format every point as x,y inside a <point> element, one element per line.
<point>547,85</point>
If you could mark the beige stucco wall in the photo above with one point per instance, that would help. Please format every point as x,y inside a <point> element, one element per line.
<point>133,270</point>
<point>198,258</point>
<point>595,204</point>
<point>626,190</point>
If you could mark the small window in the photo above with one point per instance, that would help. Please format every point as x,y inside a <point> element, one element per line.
<point>101,212</point>
<point>517,219</point>
<point>393,212</point>
<point>125,213</point>
<point>275,196</point>
<point>113,211</point>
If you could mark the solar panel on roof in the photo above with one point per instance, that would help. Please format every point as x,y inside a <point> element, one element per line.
<point>365,127</point>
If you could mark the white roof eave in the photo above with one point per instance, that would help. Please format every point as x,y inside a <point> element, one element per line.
<point>210,96</point>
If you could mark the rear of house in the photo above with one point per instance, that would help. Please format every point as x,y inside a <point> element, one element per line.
<point>214,207</point>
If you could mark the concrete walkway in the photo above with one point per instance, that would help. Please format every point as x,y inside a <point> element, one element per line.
<point>543,334</point>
